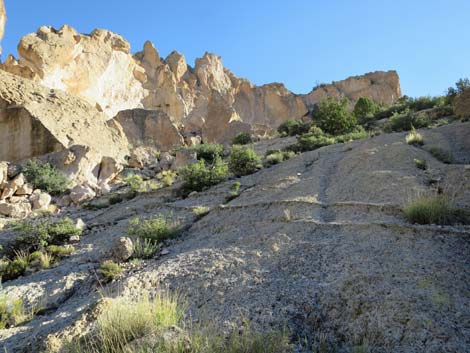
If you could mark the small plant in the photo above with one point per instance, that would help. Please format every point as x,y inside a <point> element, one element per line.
<point>168,177</point>
<point>420,164</point>
<point>244,161</point>
<point>242,138</point>
<point>235,187</point>
<point>60,251</point>
<point>110,270</point>
<point>46,177</point>
<point>200,211</point>
<point>310,142</point>
<point>441,155</point>
<point>435,209</point>
<point>157,228</point>
<point>135,182</point>
<point>277,156</point>
<point>407,120</point>
<point>198,176</point>
<point>41,260</point>
<point>12,312</point>
<point>62,230</point>
<point>145,248</point>
<point>414,138</point>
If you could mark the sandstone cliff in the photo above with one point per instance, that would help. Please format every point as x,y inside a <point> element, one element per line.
<point>3,20</point>
<point>205,100</point>
<point>35,120</point>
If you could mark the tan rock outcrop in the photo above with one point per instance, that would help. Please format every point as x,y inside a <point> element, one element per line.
<point>35,120</point>
<point>382,87</point>
<point>3,20</point>
<point>462,104</point>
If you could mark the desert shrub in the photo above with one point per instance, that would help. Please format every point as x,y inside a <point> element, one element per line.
<point>157,228</point>
<point>208,152</point>
<point>41,260</point>
<point>310,142</point>
<point>198,176</point>
<point>293,127</point>
<point>365,109</point>
<point>12,312</point>
<point>460,86</point>
<point>16,267</point>
<point>235,187</point>
<point>420,164</point>
<point>332,116</point>
<point>357,134</point>
<point>435,209</point>
<point>242,138</point>
<point>60,251</point>
<point>33,236</point>
<point>135,182</point>
<point>145,248</point>
<point>200,211</point>
<point>414,138</point>
<point>46,177</point>
<point>243,161</point>
<point>407,120</point>
<point>62,230</point>
<point>168,177</point>
<point>110,270</point>
<point>442,155</point>
<point>277,156</point>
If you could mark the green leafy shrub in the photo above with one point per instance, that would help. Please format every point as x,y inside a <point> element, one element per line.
<point>62,230</point>
<point>110,270</point>
<point>41,260</point>
<point>244,161</point>
<point>242,138</point>
<point>365,109</point>
<point>16,267</point>
<point>460,86</point>
<point>145,248</point>
<point>199,176</point>
<point>437,209</point>
<point>357,134</point>
<point>406,121</point>
<point>277,156</point>
<point>208,152</point>
<point>157,228</point>
<point>442,155</point>
<point>310,142</point>
<point>293,127</point>
<point>332,116</point>
<point>135,182</point>
<point>12,312</point>
<point>46,177</point>
<point>60,251</point>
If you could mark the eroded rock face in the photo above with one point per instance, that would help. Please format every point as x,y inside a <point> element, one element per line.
<point>3,20</point>
<point>207,101</point>
<point>35,120</point>
<point>382,87</point>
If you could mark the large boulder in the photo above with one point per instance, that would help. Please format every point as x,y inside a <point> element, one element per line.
<point>15,210</point>
<point>81,194</point>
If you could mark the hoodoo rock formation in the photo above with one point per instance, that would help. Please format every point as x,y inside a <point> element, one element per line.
<point>206,100</point>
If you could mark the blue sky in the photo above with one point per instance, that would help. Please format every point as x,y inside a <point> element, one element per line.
<point>297,42</point>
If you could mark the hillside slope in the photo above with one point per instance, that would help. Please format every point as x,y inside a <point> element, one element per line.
<point>318,244</point>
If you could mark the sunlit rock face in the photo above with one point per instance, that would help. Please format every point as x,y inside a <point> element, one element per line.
<point>3,20</point>
<point>206,100</point>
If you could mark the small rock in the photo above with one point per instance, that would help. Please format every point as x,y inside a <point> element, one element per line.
<point>64,201</point>
<point>13,170</point>
<point>26,189</point>
<point>143,157</point>
<point>164,252</point>
<point>82,193</point>
<point>41,201</point>
<point>123,249</point>
<point>79,224</point>
<point>74,239</point>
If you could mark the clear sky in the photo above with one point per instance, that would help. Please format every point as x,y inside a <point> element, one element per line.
<point>297,42</point>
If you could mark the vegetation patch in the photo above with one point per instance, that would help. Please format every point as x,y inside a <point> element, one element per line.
<point>435,209</point>
<point>157,228</point>
<point>44,176</point>
<point>208,152</point>
<point>277,156</point>
<point>244,161</point>
<point>199,176</point>
<point>442,155</point>
<point>333,117</point>
<point>414,138</point>
<point>293,127</point>
<point>242,138</point>
<point>420,164</point>
<point>110,270</point>
<point>12,312</point>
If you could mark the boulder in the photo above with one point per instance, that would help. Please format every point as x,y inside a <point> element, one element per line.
<point>123,249</point>
<point>184,157</point>
<point>143,157</point>
<point>41,201</point>
<point>109,170</point>
<point>166,160</point>
<point>462,104</point>
<point>26,189</point>
<point>81,194</point>
<point>17,210</point>
<point>12,186</point>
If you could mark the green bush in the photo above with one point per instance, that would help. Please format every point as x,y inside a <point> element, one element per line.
<point>157,228</point>
<point>277,156</point>
<point>406,121</point>
<point>414,138</point>
<point>145,248</point>
<point>243,161</point>
<point>436,209</point>
<point>11,312</point>
<point>357,134</point>
<point>242,138</point>
<point>62,230</point>
<point>293,127</point>
<point>135,182</point>
<point>46,177</point>
<point>442,155</point>
<point>420,164</point>
<point>332,116</point>
<point>310,142</point>
<point>209,152</point>
<point>460,86</point>
<point>365,109</point>
<point>40,260</point>
<point>199,176</point>
<point>60,251</point>
<point>110,270</point>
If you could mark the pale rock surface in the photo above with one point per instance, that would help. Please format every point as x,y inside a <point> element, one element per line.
<point>109,170</point>
<point>35,120</point>
<point>15,210</point>
<point>81,194</point>
<point>184,157</point>
<point>3,20</point>
<point>143,157</point>
<point>3,174</point>
<point>26,189</point>
<point>123,249</point>
<point>12,186</point>
<point>41,201</point>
